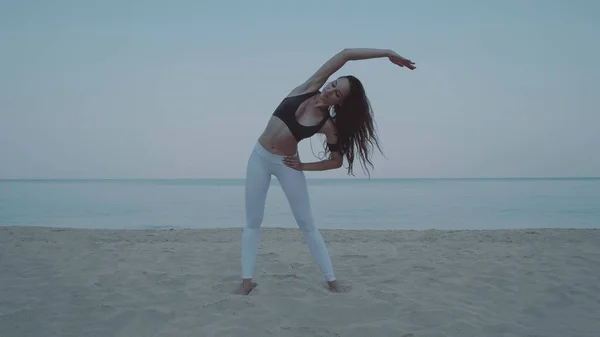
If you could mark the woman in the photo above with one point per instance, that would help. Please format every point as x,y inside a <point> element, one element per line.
<point>301,114</point>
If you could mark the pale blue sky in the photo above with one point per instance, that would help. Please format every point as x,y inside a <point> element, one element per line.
<point>182,89</point>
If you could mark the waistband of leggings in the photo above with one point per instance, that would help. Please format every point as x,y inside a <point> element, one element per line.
<point>269,156</point>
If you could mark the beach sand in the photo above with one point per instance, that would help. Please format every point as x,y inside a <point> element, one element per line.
<point>77,282</point>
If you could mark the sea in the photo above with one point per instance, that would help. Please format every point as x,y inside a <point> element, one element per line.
<point>443,204</point>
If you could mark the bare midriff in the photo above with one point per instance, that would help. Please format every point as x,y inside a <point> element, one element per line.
<point>277,138</point>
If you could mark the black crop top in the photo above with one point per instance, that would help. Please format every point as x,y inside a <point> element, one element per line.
<point>286,111</point>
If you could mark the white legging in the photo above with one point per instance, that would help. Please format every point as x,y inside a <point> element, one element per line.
<point>261,165</point>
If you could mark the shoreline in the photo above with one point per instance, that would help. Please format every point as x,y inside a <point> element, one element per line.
<point>233,228</point>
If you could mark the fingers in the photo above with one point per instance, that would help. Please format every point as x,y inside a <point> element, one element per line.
<point>402,62</point>
<point>292,162</point>
<point>407,64</point>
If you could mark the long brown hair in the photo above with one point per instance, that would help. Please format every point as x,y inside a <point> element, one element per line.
<point>356,126</point>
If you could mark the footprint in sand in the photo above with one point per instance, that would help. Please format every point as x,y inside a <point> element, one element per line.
<point>231,305</point>
<point>284,277</point>
<point>382,296</point>
<point>354,256</point>
<point>312,331</point>
<point>268,256</point>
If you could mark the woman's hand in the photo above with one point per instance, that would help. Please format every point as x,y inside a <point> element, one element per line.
<point>293,162</point>
<point>401,61</point>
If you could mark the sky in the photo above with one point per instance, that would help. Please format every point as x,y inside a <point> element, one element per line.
<point>183,89</point>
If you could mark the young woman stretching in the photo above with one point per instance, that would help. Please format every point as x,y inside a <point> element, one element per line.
<point>301,114</point>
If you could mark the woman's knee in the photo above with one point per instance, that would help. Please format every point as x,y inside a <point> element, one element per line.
<point>254,220</point>
<point>306,223</point>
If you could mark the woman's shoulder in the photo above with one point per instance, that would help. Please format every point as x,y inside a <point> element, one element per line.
<point>303,89</point>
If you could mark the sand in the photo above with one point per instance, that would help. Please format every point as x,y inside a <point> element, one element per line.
<point>77,282</point>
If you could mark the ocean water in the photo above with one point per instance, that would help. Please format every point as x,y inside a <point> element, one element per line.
<point>336,203</point>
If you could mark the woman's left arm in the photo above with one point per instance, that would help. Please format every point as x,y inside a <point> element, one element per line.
<point>335,161</point>
<point>337,61</point>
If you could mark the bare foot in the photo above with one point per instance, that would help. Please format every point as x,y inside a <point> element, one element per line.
<point>246,287</point>
<point>335,287</point>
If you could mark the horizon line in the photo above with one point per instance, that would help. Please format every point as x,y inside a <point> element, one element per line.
<point>329,178</point>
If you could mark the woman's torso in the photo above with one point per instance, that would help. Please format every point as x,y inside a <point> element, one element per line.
<point>277,136</point>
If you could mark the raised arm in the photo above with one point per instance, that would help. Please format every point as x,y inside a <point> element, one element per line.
<point>334,64</point>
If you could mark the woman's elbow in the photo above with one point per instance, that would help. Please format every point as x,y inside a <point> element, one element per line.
<point>337,163</point>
